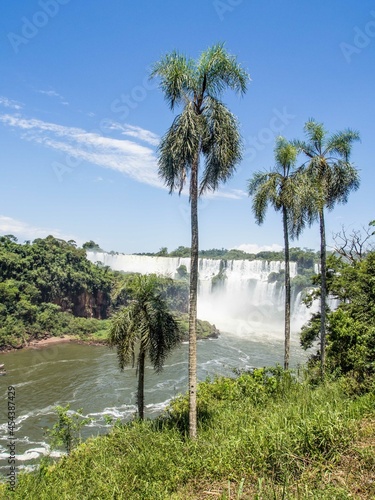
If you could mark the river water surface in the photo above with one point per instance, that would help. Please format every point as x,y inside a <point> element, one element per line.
<point>88,377</point>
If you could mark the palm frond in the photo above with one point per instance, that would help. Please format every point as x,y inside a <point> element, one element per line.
<point>329,175</point>
<point>343,179</point>
<point>341,143</point>
<point>219,70</point>
<point>285,155</point>
<point>284,187</point>
<point>178,149</point>
<point>315,133</point>
<point>221,144</point>
<point>305,201</point>
<point>164,333</point>
<point>264,187</point>
<point>177,76</point>
<point>303,147</point>
<point>123,336</point>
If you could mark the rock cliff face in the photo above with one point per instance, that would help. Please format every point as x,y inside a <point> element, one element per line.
<point>94,305</point>
<point>86,305</point>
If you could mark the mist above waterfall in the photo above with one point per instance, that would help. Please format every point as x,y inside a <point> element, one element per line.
<point>235,295</point>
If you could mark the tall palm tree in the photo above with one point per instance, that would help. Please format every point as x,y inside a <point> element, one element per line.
<point>329,179</point>
<point>144,327</point>
<point>279,189</point>
<point>204,130</point>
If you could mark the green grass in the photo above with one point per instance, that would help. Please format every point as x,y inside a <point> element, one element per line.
<point>264,436</point>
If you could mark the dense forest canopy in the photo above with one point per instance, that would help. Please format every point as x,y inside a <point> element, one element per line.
<point>47,286</point>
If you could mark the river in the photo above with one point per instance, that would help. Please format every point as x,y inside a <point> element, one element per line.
<point>88,377</point>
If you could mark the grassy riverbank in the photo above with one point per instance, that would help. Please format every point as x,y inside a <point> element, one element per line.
<point>264,436</point>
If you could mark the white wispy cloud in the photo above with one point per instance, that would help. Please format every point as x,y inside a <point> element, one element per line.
<point>127,157</point>
<point>53,93</point>
<point>136,132</point>
<point>50,93</point>
<point>233,194</point>
<point>123,155</point>
<point>255,248</point>
<point>25,231</point>
<point>10,103</point>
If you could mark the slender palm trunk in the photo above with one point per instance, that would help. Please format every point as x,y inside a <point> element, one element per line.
<point>287,290</point>
<point>193,302</point>
<point>323,298</point>
<point>141,384</point>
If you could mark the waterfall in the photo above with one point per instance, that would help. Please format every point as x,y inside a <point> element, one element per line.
<point>243,303</point>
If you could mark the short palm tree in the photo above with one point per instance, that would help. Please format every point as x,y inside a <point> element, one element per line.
<point>144,327</point>
<point>329,177</point>
<point>278,188</point>
<point>204,130</point>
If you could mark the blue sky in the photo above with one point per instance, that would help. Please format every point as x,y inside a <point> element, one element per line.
<point>80,121</point>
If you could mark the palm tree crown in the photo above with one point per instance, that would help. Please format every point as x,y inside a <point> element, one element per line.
<point>278,186</point>
<point>330,177</point>
<point>205,125</point>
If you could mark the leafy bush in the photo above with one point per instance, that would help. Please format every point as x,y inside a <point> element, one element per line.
<point>67,430</point>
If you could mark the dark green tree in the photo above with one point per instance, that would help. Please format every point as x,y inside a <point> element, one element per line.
<point>91,245</point>
<point>205,129</point>
<point>144,328</point>
<point>163,252</point>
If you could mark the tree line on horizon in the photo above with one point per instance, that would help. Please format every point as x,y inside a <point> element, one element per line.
<point>296,254</point>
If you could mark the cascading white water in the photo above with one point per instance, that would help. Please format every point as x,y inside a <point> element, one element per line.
<point>243,303</point>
